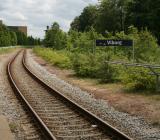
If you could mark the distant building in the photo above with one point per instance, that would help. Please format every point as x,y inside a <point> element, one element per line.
<point>22,29</point>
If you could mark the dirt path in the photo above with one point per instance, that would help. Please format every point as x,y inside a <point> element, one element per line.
<point>146,106</point>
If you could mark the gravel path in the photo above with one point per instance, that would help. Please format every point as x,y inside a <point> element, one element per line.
<point>10,107</point>
<point>135,127</point>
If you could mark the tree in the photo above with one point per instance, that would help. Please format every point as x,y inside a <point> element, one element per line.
<point>145,14</point>
<point>55,37</point>
<point>86,20</point>
<point>111,16</point>
<point>75,25</point>
<point>21,38</point>
<point>33,41</point>
<point>7,37</point>
<point>13,38</point>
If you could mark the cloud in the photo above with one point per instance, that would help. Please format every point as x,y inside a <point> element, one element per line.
<point>37,14</point>
<point>19,16</point>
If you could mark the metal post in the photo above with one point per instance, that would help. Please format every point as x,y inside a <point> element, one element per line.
<point>157,83</point>
<point>133,52</point>
<point>93,47</point>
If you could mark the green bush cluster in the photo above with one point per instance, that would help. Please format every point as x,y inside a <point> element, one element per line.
<point>84,65</point>
<point>59,58</point>
<point>138,79</point>
<point>93,66</point>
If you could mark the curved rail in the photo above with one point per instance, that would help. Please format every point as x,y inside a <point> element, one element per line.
<point>46,132</point>
<point>104,126</point>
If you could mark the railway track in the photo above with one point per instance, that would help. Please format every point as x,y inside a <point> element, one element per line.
<point>56,116</point>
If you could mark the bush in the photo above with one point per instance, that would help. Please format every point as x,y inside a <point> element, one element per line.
<point>58,58</point>
<point>85,65</point>
<point>138,79</point>
<point>93,66</point>
<point>106,72</point>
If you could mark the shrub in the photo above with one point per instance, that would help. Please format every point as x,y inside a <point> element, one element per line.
<point>85,65</point>
<point>138,79</point>
<point>58,58</point>
<point>106,72</point>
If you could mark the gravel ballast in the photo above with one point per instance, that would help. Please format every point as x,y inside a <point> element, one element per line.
<point>133,126</point>
<point>10,107</point>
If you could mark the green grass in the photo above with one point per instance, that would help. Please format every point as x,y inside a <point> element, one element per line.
<point>13,126</point>
<point>6,50</point>
<point>57,58</point>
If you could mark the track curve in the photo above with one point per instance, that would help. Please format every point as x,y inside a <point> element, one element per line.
<point>57,116</point>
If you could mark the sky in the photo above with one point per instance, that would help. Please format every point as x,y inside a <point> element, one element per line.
<point>37,14</point>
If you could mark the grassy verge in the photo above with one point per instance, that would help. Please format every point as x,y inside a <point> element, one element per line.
<point>57,58</point>
<point>94,66</point>
<point>6,50</point>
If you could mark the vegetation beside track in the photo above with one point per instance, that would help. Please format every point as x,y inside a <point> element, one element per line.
<point>108,20</point>
<point>6,50</point>
<point>86,61</point>
<point>58,58</point>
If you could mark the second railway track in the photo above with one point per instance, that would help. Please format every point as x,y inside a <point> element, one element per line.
<point>57,117</point>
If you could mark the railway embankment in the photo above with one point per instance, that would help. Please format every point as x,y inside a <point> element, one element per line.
<point>136,125</point>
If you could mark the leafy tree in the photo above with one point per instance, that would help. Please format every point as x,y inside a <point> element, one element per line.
<point>145,14</point>
<point>75,25</point>
<point>24,40</point>
<point>13,38</point>
<point>30,40</point>
<point>33,41</point>
<point>7,37</point>
<point>21,38</point>
<point>55,37</point>
<point>86,20</point>
<point>111,15</point>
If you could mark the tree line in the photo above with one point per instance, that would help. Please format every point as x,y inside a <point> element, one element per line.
<point>118,15</point>
<point>7,37</point>
<point>13,38</point>
<point>110,19</point>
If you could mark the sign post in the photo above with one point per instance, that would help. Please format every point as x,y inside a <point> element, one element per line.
<point>94,47</point>
<point>158,83</point>
<point>133,52</point>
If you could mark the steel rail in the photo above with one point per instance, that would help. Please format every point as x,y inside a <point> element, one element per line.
<point>103,125</point>
<point>46,132</point>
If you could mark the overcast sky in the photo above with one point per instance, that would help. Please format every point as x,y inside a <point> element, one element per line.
<point>37,14</point>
